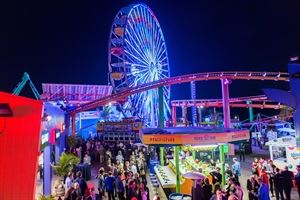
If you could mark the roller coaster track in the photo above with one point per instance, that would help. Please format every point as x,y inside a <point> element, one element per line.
<point>238,75</point>
<point>260,101</point>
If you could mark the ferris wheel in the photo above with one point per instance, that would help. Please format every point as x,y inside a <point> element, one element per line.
<point>138,55</point>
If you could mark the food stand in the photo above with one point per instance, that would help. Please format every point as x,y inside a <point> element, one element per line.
<point>283,152</point>
<point>213,138</point>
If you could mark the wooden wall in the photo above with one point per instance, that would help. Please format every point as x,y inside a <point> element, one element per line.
<point>19,147</point>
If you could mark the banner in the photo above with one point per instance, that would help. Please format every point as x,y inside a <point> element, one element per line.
<point>195,138</point>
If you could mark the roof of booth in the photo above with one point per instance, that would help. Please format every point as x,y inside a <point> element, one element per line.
<point>74,93</point>
<point>186,130</point>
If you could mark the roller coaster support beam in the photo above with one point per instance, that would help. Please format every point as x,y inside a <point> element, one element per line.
<point>161,120</point>
<point>73,116</point>
<point>199,109</point>
<point>251,116</point>
<point>174,116</point>
<point>184,115</point>
<point>226,108</point>
<point>193,97</point>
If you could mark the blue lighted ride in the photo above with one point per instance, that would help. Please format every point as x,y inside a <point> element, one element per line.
<point>138,55</point>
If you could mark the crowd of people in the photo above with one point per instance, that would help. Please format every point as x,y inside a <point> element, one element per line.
<point>122,174</point>
<point>267,178</point>
<point>206,190</point>
<point>123,168</point>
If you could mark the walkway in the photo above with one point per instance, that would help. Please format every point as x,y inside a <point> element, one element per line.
<point>245,171</point>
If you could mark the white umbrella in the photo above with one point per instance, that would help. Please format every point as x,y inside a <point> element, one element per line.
<point>139,145</point>
<point>194,175</point>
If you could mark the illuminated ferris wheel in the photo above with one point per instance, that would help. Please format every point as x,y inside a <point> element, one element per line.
<point>138,55</point>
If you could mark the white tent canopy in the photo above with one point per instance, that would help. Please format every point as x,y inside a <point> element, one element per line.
<point>283,141</point>
<point>287,130</point>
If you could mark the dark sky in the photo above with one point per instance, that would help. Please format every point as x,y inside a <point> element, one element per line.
<point>66,41</point>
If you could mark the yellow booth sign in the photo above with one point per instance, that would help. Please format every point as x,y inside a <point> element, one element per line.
<point>195,138</point>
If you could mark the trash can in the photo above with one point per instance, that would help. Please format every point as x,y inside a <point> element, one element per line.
<point>178,196</point>
<point>153,163</point>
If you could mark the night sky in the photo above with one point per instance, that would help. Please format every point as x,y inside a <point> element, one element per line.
<point>66,41</point>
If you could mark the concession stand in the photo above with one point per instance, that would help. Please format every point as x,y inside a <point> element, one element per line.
<point>283,152</point>
<point>193,148</point>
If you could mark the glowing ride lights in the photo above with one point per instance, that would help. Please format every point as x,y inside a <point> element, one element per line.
<point>138,55</point>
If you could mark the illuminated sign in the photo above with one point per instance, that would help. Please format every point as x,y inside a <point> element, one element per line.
<point>57,134</point>
<point>198,138</point>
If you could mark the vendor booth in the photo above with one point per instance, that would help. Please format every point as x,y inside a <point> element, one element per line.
<point>283,152</point>
<point>194,149</point>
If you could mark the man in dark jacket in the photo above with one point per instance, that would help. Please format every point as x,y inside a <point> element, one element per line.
<point>252,187</point>
<point>278,184</point>
<point>110,186</point>
<point>288,182</point>
<point>217,176</point>
<point>120,187</point>
<point>82,183</point>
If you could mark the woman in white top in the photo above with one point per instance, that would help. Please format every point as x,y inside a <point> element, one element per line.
<point>69,181</point>
<point>120,157</point>
<point>87,159</point>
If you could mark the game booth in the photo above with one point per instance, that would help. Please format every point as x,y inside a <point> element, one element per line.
<point>194,148</point>
<point>124,131</point>
<point>283,152</point>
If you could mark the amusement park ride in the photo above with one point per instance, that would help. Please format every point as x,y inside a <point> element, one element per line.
<point>139,76</point>
<point>26,78</point>
<point>140,85</point>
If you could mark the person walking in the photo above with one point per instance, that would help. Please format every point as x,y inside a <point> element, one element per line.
<point>263,191</point>
<point>82,183</point>
<point>242,151</point>
<point>101,182</point>
<point>278,184</point>
<point>207,189</point>
<point>120,187</point>
<point>297,179</point>
<point>288,182</point>
<point>270,170</point>
<point>69,181</point>
<point>236,169</point>
<point>143,192</point>
<point>252,187</point>
<point>216,176</point>
<point>109,186</point>
<point>239,191</point>
<point>264,176</point>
